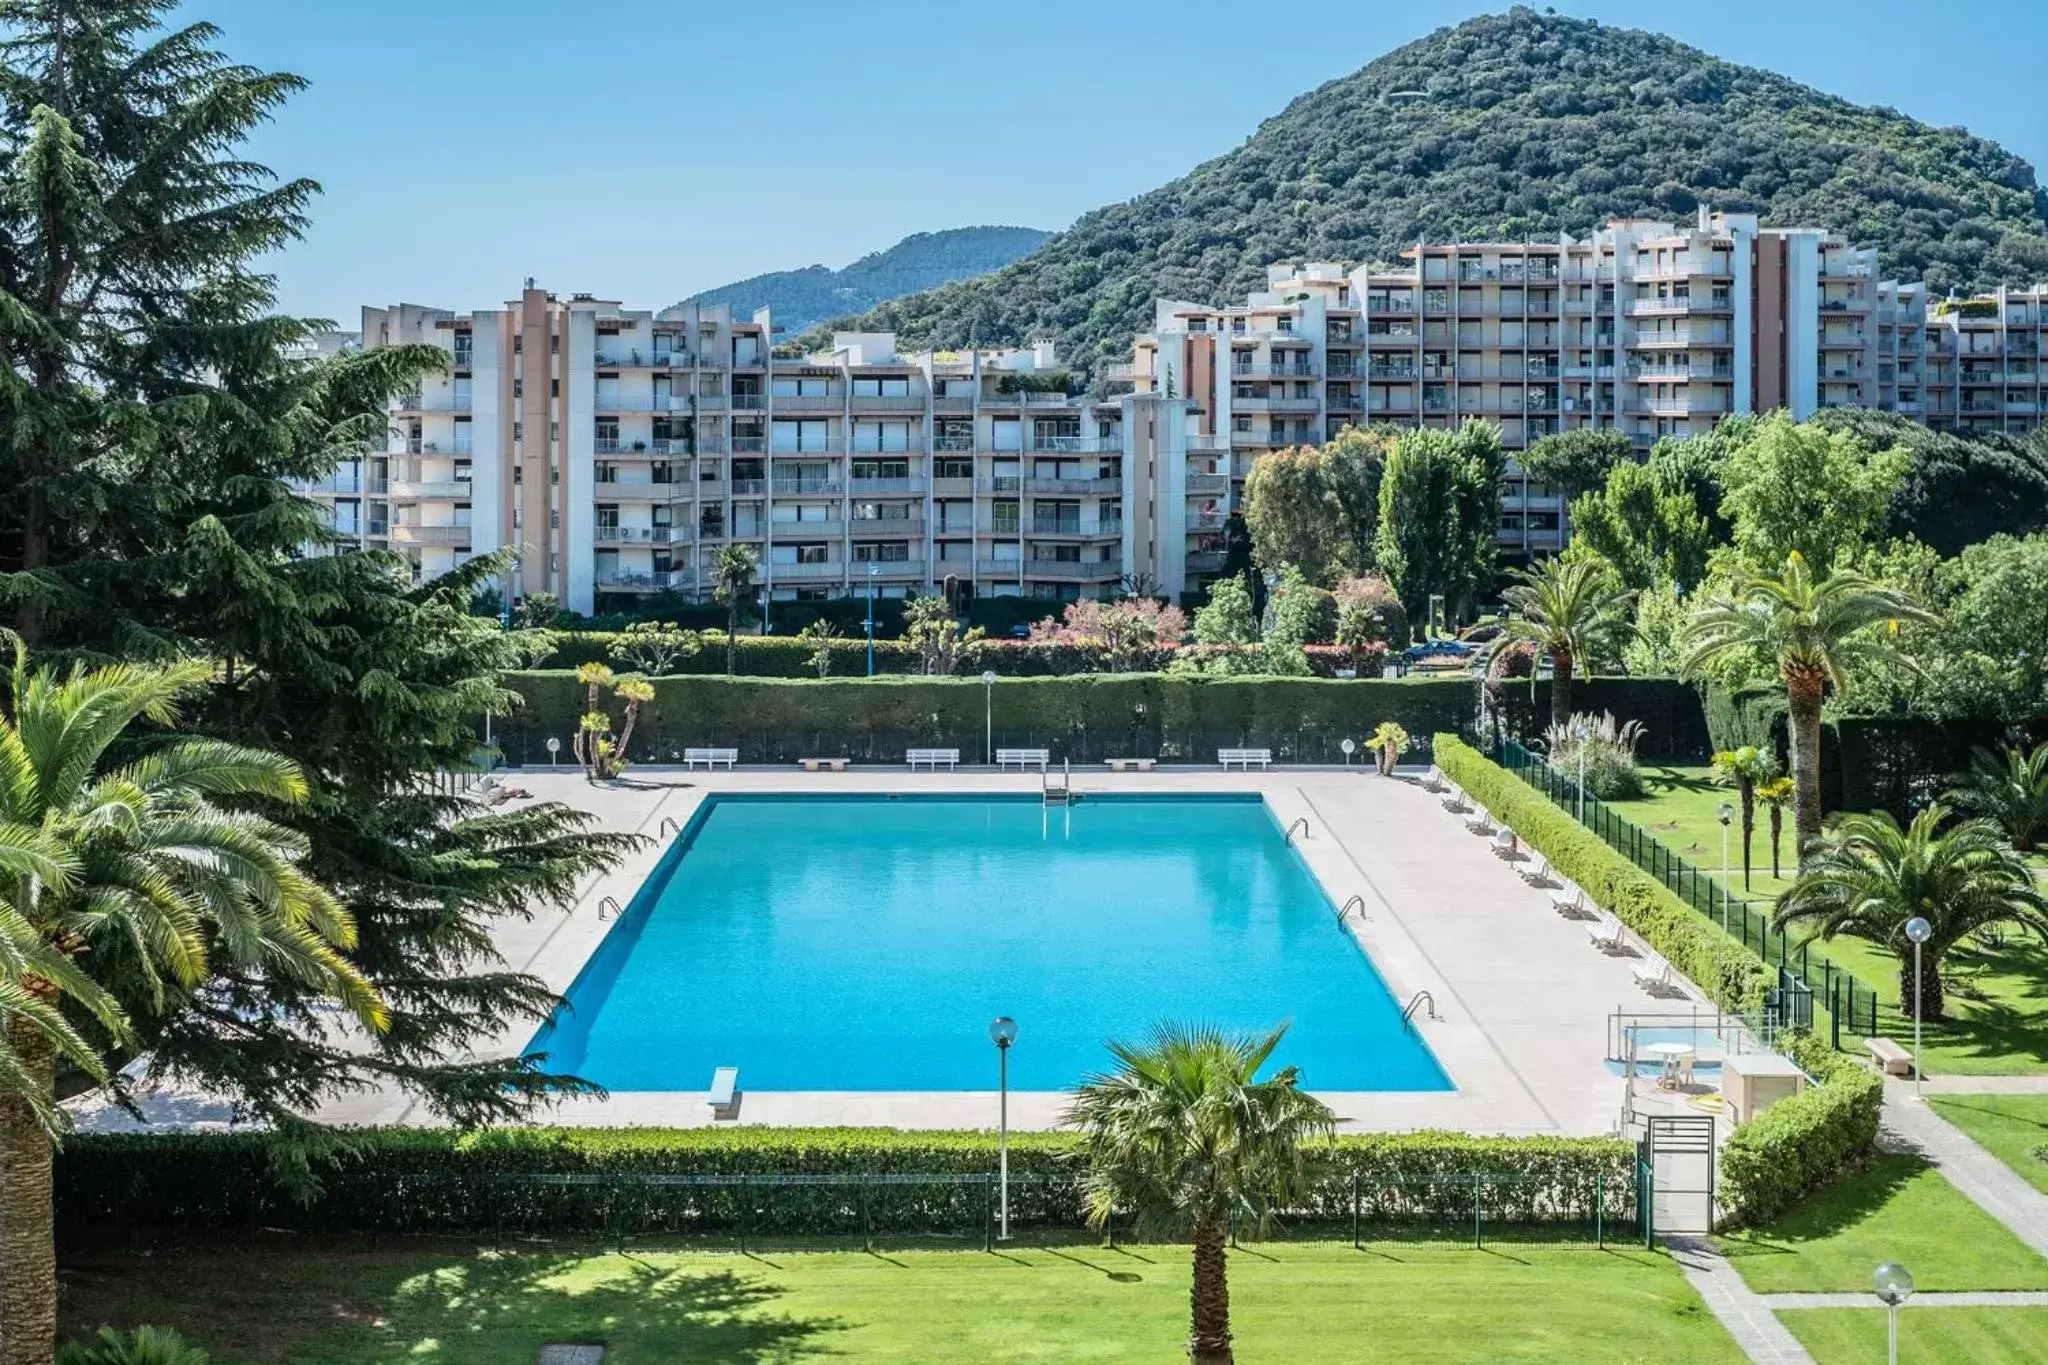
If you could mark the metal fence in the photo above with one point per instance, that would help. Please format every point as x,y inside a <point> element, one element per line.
<point>1806,974</point>
<point>842,1212</point>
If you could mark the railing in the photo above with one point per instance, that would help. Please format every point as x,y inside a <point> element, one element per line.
<point>1851,1004</point>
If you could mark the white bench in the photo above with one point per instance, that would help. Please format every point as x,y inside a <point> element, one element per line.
<point>1244,758</point>
<point>1891,1059</point>
<point>1433,780</point>
<point>1536,871</point>
<point>1605,933</point>
<point>818,765</point>
<point>1023,758</point>
<point>710,758</point>
<point>932,758</point>
<point>1653,974</point>
<point>1477,821</point>
<point>1131,765</point>
<point>1568,900</point>
<point>1453,799</point>
<point>725,1084</point>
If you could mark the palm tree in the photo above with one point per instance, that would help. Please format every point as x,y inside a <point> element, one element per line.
<point>1870,877</point>
<point>593,726</point>
<point>1183,1135</point>
<point>2011,788</point>
<point>1814,632</point>
<point>733,583</point>
<point>145,878</point>
<point>1776,794</point>
<point>1574,608</point>
<point>1743,768</point>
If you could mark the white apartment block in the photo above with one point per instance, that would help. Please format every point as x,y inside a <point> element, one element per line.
<point>621,450</point>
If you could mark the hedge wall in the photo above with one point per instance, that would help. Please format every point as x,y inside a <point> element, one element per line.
<point>1801,1143</point>
<point>1085,718</point>
<point>411,1180</point>
<point>1693,944</point>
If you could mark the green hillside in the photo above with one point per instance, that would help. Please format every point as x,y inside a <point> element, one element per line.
<point>802,298</point>
<point>1512,126</point>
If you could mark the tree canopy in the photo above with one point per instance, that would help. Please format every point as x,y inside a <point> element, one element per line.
<point>1316,508</point>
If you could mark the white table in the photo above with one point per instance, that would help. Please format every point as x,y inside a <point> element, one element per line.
<point>1675,1058</point>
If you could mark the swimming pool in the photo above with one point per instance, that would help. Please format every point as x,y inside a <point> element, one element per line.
<point>864,943</point>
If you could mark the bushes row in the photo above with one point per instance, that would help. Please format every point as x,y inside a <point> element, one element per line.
<point>415,1180</point>
<point>1734,975</point>
<point>1804,1141</point>
<point>1085,718</point>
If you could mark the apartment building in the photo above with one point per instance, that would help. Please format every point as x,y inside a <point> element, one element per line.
<point>1646,326</point>
<point>621,450</point>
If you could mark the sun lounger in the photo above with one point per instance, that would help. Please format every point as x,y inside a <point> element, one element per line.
<point>1604,933</point>
<point>1653,974</point>
<point>725,1084</point>
<point>1568,900</point>
<point>1536,870</point>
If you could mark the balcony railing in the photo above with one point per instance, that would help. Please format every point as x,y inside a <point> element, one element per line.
<point>1078,445</point>
<point>660,580</point>
<point>785,487</point>
<point>406,534</point>
<point>643,535</point>
<point>430,488</point>
<point>636,489</point>
<point>1204,561</point>
<point>954,443</point>
<point>1077,486</point>
<point>1208,483</point>
<point>1070,569</point>
<point>861,487</point>
<point>886,528</point>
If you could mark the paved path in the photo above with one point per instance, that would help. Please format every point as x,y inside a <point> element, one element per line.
<point>1995,1187</point>
<point>1740,1309</point>
<point>1982,1298</point>
<point>1987,1085</point>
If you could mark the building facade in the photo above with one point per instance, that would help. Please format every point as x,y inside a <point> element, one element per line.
<point>620,451</point>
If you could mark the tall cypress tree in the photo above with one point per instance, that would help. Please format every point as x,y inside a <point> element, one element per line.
<point>152,424</point>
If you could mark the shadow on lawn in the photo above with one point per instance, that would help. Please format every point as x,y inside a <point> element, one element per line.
<point>2011,1017</point>
<point>453,1308</point>
<point>1662,781</point>
<point>1833,1209</point>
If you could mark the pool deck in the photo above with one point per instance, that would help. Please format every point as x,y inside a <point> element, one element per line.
<point>1524,997</point>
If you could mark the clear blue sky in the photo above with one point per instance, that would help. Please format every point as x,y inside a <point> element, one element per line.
<point>645,149</point>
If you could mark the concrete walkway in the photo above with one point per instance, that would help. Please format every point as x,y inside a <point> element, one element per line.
<point>1910,1126</point>
<point>1737,1307</point>
<point>1987,1085</point>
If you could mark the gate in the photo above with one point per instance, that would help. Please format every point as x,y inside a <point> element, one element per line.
<point>1677,1156</point>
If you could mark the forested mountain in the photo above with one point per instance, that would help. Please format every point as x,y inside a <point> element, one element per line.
<point>1509,126</point>
<point>802,298</point>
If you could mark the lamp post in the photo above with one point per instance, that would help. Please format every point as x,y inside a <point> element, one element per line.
<point>1724,813</point>
<point>1580,734</point>
<point>1349,748</point>
<point>1002,1033</point>
<point>988,716</point>
<point>873,569</point>
<point>1893,1286</point>
<point>1918,930</point>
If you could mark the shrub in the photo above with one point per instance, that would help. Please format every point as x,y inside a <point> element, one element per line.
<point>1599,751</point>
<point>142,1346</point>
<point>1723,966</point>
<point>436,1180</point>
<point>1804,1141</point>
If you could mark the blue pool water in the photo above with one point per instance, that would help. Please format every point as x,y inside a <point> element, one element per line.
<point>865,943</point>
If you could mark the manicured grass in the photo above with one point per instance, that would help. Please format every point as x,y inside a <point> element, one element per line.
<point>271,1306</point>
<point>1898,1208</point>
<point>2010,1127</point>
<point>1997,1000</point>
<point>1927,1336</point>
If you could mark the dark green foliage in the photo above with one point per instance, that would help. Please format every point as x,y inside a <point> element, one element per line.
<point>923,260</point>
<point>1577,461</point>
<point>1958,490</point>
<point>1439,511</point>
<point>1086,718</point>
<point>1799,1144</point>
<point>1736,977</point>
<point>415,1180</point>
<point>1529,124</point>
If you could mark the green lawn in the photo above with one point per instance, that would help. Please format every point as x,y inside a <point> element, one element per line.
<point>1927,1336</point>
<point>2010,1127</point>
<point>1998,999</point>
<point>1898,1208</point>
<point>1290,1303</point>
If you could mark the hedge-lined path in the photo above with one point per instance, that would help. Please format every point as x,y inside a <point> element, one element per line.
<point>1745,1313</point>
<point>1910,1126</point>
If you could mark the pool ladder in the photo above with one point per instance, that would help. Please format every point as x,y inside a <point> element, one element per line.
<point>1300,823</point>
<point>1058,793</point>
<point>1345,912</point>
<point>1408,1013</point>
<point>668,827</point>
<point>607,901</point>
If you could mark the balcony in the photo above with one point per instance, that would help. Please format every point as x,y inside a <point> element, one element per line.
<point>749,445</point>
<point>749,488</point>
<point>953,403</point>
<point>779,528</point>
<point>1072,571</point>
<point>1293,404</point>
<point>1677,307</point>
<point>887,402</point>
<point>1073,486</point>
<point>1049,400</point>
<point>953,443</point>
<point>1716,336</point>
<point>807,402</point>
<point>783,571</point>
<point>607,534</point>
<point>893,568</point>
<point>786,487</point>
<point>953,488</point>
<point>641,490</point>
<point>1002,483</point>
<point>1208,484</point>
<point>998,568</point>
<point>446,400</point>
<point>430,488</point>
<point>1123,372</point>
<point>405,534</point>
<point>742,402</point>
<point>886,528</point>
<point>1079,445</point>
<point>1205,561</point>
<point>660,580</point>
<point>884,488</point>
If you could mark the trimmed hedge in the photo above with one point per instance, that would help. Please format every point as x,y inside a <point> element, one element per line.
<point>1085,718</point>
<point>1802,1142</point>
<point>414,1180</point>
<point>1695,945</point>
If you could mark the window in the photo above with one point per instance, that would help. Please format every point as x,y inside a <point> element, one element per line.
<point>882,551</point>
<point>943,468</point>
<point>882,387</point>
<point>518,387</point>
<point>794,435</point>
<point>881,469</point>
